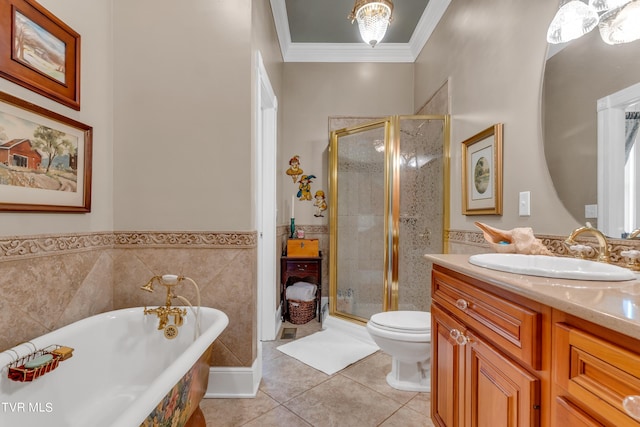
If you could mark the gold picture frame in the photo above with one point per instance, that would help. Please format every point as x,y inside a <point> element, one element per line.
<point>482,172</point>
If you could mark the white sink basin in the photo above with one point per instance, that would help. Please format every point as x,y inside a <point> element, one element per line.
<point>557,267</point>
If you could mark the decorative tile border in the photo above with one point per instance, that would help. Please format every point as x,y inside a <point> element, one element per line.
<point>189,239</point>
<point>43,245</point>
<point>22,247</point>
<point>554,243</point>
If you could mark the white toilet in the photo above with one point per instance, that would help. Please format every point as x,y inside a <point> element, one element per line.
<point>406,337</point>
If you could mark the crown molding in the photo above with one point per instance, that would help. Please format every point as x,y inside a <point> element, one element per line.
<point>357,52</point>
<point>347,52</point>
<point>427,24</point>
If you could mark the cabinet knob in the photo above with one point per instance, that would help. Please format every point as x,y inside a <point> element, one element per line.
<point>631,405</point>
<point>459,337</point>
<point>462,304</point>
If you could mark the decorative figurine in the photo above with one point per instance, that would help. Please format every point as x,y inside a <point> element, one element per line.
<point>304,192</point>
<point>319,203</point>
<point>294,170</point>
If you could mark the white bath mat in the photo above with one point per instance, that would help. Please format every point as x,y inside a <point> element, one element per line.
<point>329,350</point>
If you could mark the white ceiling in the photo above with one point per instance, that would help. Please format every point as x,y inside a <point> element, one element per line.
<point>319,31</point>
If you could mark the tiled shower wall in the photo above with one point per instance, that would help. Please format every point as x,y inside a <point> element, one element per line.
<point>47,282</point>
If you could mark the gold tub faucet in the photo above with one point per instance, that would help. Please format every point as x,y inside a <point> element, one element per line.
<point>166,311</point>
<point>602,240</point>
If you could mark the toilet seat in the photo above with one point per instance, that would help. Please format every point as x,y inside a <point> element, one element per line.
<point>405,322</point>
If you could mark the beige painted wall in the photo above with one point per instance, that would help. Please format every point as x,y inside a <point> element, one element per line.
<point>180,124</point>
<point>316,91</point>
<point>265,40</point>
<point>182,115</point>
<point>493,51</point>
<point>93,21</point>
<point>495,69</point>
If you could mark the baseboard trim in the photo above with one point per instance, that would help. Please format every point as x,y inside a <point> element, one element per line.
<point>235,382</point>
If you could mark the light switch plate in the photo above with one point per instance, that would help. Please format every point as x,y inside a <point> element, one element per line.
<point>524,204</point>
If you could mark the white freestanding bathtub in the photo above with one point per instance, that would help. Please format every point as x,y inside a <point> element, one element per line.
<point>123,373</point>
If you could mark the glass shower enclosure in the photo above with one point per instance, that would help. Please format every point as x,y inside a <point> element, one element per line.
<point>388,182</point>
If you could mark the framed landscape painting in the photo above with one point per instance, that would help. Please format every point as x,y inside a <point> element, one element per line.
<point>482,173</point>
<point>39,51</point>
<point>45,159</point>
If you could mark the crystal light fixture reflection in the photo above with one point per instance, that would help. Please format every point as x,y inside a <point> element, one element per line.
<point>574,19</point>
<point>621,25</point>
<point>604,5</point>
<point>373,19</point>
<point>618,20</point>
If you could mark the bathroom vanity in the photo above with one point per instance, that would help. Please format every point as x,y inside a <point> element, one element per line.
<point>514,350</point>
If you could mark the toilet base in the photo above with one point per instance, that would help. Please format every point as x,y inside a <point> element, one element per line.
<point>410,376</point>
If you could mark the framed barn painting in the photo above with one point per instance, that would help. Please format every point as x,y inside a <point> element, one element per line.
<point>45,159</point>
<point>482,173</point>
<point>39,51</point>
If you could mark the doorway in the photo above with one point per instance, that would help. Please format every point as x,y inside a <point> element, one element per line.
<point>265,217</point>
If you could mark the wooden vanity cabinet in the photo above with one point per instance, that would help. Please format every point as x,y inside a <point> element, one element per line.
<point>488,367</point>
<point>594,369</point>
<point>500,359</point>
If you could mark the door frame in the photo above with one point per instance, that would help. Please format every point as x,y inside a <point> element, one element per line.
<point>265,213</point>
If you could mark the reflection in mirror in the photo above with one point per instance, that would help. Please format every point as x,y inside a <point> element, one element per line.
<point>618,123</point>
<point>575,78</point>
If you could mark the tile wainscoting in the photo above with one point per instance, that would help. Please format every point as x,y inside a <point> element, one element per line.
<point>49,281</point>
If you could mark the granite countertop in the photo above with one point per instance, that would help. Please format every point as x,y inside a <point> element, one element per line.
<point>615,305</point>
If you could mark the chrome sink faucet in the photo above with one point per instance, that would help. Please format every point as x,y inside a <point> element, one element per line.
<point>602,240</point>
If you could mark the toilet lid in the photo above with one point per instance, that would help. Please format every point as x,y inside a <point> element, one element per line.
<point>406,321</point>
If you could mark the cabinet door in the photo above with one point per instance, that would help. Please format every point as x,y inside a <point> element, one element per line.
<point>447,371</point>
<point>500,392</point>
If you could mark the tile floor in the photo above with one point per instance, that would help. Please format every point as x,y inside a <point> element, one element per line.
<point>293,394</point>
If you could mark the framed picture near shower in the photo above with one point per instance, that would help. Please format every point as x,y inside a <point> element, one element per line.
<point>482,173</point>
<point>39,51</point>
<point>45,159</point>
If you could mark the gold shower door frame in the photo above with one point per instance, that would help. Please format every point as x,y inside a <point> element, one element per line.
<point>391,205</point>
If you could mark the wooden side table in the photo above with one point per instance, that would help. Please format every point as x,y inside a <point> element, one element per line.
<point>307,267</point>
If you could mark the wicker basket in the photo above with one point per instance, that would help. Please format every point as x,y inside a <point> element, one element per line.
<point>301,311</point>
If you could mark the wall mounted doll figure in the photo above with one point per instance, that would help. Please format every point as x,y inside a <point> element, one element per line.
<point>319,203</point>
<point>304,192</point>
<point>294,170</point>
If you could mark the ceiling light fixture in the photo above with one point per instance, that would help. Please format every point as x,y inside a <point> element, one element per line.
<point>621,25</point>
<point>618,20</point>
<point>373,19</point>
